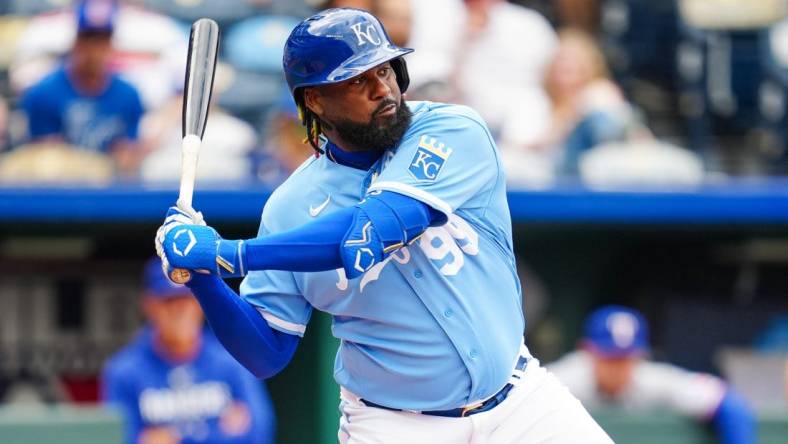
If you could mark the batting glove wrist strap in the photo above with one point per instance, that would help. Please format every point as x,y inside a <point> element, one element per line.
<point>231,258</point>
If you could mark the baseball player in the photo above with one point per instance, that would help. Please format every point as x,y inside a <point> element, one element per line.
<point>399,228</point>
<point>610,369</point>
<point>175,384</point>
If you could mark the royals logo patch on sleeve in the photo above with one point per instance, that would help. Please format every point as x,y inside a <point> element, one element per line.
<point>429,159</point>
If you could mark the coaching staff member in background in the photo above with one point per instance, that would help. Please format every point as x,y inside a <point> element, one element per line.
<point>175,384</point>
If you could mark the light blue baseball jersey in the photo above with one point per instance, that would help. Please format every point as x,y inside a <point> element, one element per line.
<point>438,324</point>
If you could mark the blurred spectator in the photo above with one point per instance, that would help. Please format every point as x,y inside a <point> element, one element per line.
<point>397,18</point>
<point>501,64</point>
<point>582,14</point>
<point>148,50</point>
<point>176,384</point>
<point>432,63</point>
<point>83,103</point>
<point>582,108</point>
<point>610,369</point>
<point>437,47</point>
<point>230,139</point>
<point>285,149</point>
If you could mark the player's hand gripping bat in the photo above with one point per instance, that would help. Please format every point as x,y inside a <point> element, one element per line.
<point>198,85</point>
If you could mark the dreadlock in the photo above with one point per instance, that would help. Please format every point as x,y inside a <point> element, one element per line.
<point>313,127</point>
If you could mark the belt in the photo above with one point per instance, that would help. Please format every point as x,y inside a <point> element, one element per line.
<point>472,409</point>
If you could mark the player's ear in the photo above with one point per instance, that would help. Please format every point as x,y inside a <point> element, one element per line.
<point>312,100</point>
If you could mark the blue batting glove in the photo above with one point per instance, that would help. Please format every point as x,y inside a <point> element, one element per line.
<point>175,216</point>
<point>200,248</point>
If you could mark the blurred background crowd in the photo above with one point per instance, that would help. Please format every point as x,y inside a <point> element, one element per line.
<point>605,91</point>
<point>602,94</point>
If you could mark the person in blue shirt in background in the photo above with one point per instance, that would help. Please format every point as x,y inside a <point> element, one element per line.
<point>83,103</point>
<point>175,384</point>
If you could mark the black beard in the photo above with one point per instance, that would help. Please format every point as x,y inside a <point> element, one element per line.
<point>372,136</point>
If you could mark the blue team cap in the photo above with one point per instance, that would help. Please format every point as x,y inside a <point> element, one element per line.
<point>96,16</point>
<point>616,331</point>
<point>157,285</point>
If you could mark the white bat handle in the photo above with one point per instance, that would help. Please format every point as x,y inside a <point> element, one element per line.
<point>190,153</point>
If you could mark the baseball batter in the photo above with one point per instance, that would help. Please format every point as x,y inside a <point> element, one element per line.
<point>610,369</point>
<point>400,229</point>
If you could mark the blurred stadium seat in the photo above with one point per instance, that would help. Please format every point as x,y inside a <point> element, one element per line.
<point>295,8</point>
<point>256,43</point>
<point>254,48</point>
<point>250,95</point>
<point>33,7</point>
<point>732,96</point>
<point>224,12</point>
<point>55,163</point>
<point>731,14</point>
<point>639,39</point>
<point>778,50</point>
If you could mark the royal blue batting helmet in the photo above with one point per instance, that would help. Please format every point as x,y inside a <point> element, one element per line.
<point>614,330</point>
<point>338,44</point>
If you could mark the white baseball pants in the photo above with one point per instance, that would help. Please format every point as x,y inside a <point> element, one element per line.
<point>538,410</point>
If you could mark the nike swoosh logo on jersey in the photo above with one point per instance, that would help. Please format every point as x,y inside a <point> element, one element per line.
<point>314,211</point>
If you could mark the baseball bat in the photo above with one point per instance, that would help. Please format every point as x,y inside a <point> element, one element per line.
<point>197,88</point>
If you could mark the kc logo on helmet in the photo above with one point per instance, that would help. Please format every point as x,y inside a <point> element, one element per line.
<point>369,35</point>
<point>429,159</point>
